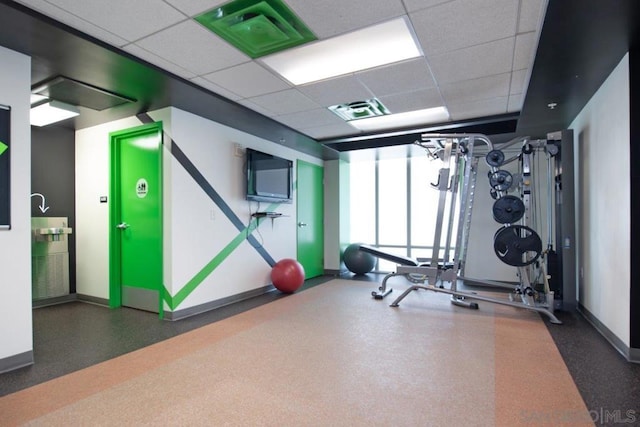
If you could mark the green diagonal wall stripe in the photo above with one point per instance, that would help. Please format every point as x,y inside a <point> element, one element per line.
<point>182,294</point>
<point>245,232</point>
<point>3,147</point>
<point>196,280</point>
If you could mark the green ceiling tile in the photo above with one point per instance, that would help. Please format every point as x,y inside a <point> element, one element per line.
<point>257,27</point>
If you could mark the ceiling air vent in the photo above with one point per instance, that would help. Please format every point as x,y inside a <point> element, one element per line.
<point>360,109</point>
<point>257,28</point>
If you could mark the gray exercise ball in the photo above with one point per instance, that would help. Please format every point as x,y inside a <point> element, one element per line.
<point>357,261</point>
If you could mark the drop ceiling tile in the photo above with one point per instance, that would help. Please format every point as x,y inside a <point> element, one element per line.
<point>406,76</point>
<point>487,107</point>
<point>518,81</point>
<point>74,21</point>
<point>284,102</point>
<point>474,62</point>
<point>194,48</point>
<point>477,89</point>
<point>531,15</point>
<point>331,131</point>
<point>195,7</point>
<point>335,91</point>
<point>215,88</point>
<point>309,119</point>
<point>415,5</point>
<point>157,61</point>
<point>328,18</point>
<point>515,103</point>
<point>256,108</point>
<point>417,100</point>
<point>463,23</point>
<point>248,80</point>
<point>525,50</point>
<point>128,19</point>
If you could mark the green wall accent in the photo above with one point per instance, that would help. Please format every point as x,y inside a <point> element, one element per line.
<point>174,301</point>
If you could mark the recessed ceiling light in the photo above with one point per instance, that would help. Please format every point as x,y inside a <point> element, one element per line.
<point>399,120</point>
<point>52,112</point>
<point>37,99</point>
<point>381,44</point>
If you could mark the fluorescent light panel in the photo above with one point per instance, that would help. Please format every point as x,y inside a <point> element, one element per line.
<point>52,112</point>
<point>411,118</point>
<point>374,46</point>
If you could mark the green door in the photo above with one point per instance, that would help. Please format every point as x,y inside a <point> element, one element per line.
<point>310,207</point>
<point>136,218</point>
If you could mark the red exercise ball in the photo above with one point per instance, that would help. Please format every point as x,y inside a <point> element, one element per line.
<point>287,275</point>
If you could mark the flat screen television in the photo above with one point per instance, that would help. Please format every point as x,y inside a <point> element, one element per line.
<point>269,178</point>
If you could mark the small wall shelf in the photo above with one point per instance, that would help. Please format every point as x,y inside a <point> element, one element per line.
<point>267,215</point>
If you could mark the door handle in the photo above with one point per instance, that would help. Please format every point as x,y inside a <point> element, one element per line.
<point>302,224</point>
<point>122,226</point>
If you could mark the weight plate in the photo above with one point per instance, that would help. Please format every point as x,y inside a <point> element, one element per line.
<point>494,158</point>
<point>500,180</point>
<point>517,245</point>
<point>508,209</point>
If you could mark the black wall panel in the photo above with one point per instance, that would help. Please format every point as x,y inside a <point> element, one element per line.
<point>53,175</point>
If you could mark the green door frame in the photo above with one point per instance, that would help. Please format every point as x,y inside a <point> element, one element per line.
<point>115,236</point>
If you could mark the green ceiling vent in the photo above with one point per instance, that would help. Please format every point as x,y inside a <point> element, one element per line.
<point>256,27</point>
<point>360,109</point>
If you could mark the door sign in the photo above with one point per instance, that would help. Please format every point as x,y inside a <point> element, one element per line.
<point>142,188</point>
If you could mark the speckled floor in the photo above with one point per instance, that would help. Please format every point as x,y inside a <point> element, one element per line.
<point>608,385</point>
<point>330,355</point>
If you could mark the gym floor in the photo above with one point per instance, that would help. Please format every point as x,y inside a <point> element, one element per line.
<point>75,335</point>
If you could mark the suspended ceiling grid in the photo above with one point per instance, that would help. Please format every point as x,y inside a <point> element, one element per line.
<point>477,55</point>
<point>127,48</point>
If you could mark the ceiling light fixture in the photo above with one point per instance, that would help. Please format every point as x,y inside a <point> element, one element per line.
<point>381,44</point>
<point>399,120</point>
<point>52,112</point>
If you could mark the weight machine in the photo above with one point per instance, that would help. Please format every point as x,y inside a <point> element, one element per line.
<point>516,242</point>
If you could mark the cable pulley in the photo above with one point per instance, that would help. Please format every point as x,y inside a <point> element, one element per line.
<point>517,245</point>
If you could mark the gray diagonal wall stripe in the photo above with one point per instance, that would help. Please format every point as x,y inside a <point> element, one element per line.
<point>191,169</point>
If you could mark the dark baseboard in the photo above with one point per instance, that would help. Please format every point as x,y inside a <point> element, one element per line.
<point>16,361</point>
<point>212,305</point>
<point>336,273</point>
<point>93,300</point>
<point>54,301</point>
<point>631,354</point>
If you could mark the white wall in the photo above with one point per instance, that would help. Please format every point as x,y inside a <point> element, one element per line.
<point>15,244</point>
<point>195,230</point>
<point>603,193</point>
<point>200,230</point>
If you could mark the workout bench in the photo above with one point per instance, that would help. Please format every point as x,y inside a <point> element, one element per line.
<point>421,273</point>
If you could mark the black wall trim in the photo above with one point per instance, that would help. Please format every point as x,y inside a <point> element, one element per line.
<point>16,361</point>
<point>191,169</point>
<point>634,152</point>
<point>212,305</point>
<point>631,355</point>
